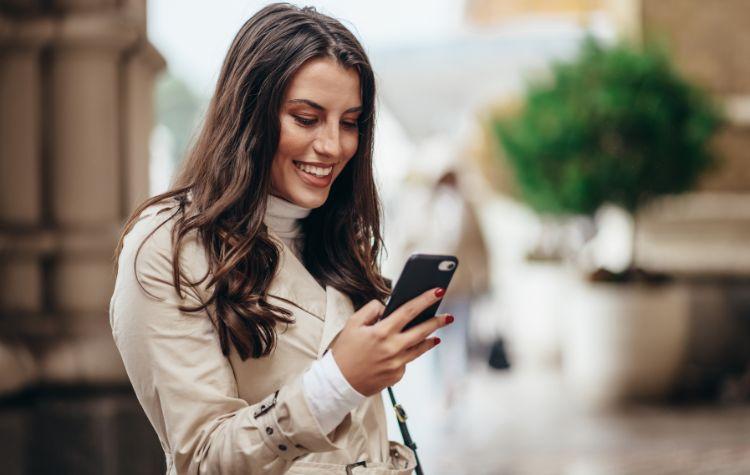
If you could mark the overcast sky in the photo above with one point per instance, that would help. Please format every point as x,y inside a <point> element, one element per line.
<point>194,34</point>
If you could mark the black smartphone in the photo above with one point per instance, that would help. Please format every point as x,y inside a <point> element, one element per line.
<point>421,273</point>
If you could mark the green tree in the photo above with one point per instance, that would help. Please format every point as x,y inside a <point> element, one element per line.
<point>617,124</point>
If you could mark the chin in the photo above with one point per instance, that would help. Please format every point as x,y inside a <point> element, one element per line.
<point>310,200</point>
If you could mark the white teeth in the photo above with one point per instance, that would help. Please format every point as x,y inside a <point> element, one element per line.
<point>319,172</point>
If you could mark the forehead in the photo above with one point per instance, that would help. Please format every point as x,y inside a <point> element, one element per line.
<point>324,81</point>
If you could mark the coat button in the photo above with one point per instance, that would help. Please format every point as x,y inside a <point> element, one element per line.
<point>269,430</point>
<point>282,447</point>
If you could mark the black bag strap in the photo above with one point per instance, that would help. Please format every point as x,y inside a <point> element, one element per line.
<point>401,418</point>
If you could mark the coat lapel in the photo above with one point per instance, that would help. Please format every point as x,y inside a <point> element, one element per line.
<point>294,284</point>
<point>338,310</point>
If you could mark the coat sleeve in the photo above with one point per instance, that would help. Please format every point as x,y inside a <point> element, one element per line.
<point>187,386</point>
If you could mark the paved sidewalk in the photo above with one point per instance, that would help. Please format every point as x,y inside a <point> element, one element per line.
<point>508,423</point>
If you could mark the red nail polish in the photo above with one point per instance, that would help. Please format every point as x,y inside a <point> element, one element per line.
<point>439,292</point>
<point>449,319</point>
<point>437,341</point>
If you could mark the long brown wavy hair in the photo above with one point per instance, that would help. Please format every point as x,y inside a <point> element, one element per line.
<point>221,190</point>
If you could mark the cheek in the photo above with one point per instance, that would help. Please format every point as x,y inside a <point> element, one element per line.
<point>292,141</point>
<point>348,149</point>
<point>349,146</point>
<point>286,151</point>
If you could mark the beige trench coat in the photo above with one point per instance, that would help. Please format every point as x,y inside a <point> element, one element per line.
<point>222,415</point>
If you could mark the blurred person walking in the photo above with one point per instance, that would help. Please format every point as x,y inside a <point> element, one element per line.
<point>433,215</point>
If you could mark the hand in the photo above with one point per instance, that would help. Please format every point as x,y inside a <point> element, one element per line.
<point>372,354</point>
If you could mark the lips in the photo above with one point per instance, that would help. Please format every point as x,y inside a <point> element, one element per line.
<point>315,170</point>
<point>314,175</point>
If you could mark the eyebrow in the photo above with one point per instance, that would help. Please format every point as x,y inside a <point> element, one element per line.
<point>317,106</point>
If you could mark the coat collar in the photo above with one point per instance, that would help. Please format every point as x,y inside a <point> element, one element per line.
<point>294,284</point>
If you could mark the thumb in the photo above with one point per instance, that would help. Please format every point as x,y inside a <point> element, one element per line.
<point>370,313</point>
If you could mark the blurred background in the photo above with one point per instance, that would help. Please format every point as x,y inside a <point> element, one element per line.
<point>587,160</point>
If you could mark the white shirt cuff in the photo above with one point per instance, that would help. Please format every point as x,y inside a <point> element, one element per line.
<point>328,393</point>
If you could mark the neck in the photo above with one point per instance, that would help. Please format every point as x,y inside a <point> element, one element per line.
<point>284,218</point>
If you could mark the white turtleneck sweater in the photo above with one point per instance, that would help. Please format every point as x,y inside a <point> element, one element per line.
<point>326,390</point>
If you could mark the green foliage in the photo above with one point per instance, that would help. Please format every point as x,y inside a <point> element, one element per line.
<point>179,109</point>
<point>616,125</point>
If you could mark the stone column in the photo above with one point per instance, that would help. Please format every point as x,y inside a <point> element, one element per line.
<point>22,292</point>
<point>76,82</point>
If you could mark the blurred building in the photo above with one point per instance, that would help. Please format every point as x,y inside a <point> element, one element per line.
<point>76,82</point>
<point>489,12</point>
<point>704,236</point>
<point>712,47</point>
<point>701,237</point>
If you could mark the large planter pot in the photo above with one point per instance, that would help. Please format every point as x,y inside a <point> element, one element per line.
<point>534,302</point>
<point>624,342</point>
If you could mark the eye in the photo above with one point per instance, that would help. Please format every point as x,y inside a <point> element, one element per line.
<point>304,121</point>
<point>350,125</point>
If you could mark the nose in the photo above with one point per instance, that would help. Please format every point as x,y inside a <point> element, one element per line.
<point>328,141</point>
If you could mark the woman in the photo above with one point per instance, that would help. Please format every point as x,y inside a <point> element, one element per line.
<point>233,286</point>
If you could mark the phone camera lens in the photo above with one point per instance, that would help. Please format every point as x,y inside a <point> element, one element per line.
<point>447,265</point>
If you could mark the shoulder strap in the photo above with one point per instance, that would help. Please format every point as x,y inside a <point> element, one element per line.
<point>401,418</point>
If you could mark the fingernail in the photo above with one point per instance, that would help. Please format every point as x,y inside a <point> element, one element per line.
<point>449,319</point>
<point>439,292</point>
<point>437,341</point>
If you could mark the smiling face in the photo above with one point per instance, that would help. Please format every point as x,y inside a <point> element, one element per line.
<point>319,132</point>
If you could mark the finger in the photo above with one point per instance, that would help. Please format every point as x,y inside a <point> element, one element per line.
<point>406,313</point>
<point>419,349</point>
<point>417,333</point>
<point>370,313</point>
